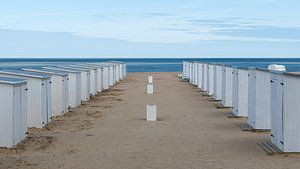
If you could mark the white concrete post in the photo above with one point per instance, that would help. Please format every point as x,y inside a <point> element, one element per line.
<point>151,113</point>
<point>149,88</point>
<point>150,79</point>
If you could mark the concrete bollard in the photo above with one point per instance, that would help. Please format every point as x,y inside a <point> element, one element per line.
<point>150,79</point>
<point>150,89</point>
<point>151,113</point>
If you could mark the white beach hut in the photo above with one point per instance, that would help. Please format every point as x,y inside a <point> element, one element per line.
<point>227,86</point>
<point>285,108</point>
<point>13,111</point>
<point>218,82</point>
<point>110,69</point>
<point>121,66</point>
<point>240,92</point>
<point>199,83</point>
<point>60,90</point>
<point>99,74</point>
<point>106,76</point>
<point>93,76</point>
<point>192,73</point>
<point>184,68</point>
<point>211,79</point>
<point>190,70</point>
<point>259,96</point>
<point>205,78</point>
<point>39,106</point>
<point>78,88</point>
<point>195,73</point>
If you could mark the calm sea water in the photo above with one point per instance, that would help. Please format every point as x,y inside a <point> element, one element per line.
<point>158,65</point>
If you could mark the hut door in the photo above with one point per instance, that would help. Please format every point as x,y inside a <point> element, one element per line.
<point>17,114</point>
<point>235,91</point>
<point>252,97</point>
<point>277,110</point>
<point>223,85</point>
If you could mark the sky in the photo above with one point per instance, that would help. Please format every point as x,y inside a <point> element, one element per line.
<point>156,28</point>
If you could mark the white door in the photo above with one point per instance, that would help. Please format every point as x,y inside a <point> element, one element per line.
<point>235,81</point>
<point>16,114</point>
<point>252,98</point>
<point>277,84</point>
<point>223,85</point>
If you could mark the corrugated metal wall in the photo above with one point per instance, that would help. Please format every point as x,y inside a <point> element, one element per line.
<point>211,78</point>
<point>291,112</point>
<point>218,83</point>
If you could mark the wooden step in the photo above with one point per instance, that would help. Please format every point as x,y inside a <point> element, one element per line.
<point>270,148</point>
<point>245,127</point>
<point>230,115</point>
<point>221,106</point>
<point>213,100</point>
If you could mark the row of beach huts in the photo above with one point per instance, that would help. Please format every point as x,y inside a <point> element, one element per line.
<point>268,98</point>
<point>30,97</point>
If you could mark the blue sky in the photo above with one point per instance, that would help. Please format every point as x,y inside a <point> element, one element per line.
<point>156,28</point>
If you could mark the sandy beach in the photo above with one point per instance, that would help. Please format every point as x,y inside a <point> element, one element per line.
<point>110,132</point>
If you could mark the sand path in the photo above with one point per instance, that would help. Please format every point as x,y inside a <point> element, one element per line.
<point>110,132</point>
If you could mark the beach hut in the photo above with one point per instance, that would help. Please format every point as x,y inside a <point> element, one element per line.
<point>190,70</point>
<point>78,89</point>
<point>240,92</point>
<point>60,90</point>
<point>218,82</point>
<point>195,74</point>
<point>205,78</point>
<point>285,108</point>
<point>93,76</point>
<point>227,86</point>
<point>99,74</point>
<point>111,73</point>
<point>39,106</point>
<point>106,77</point>
<point>199,75</point>
<point>184,68</point>
<point>192,73</point>
<point>259,99</point>
<point>13,111</point>
<point>211,79</point>
<point>121,71</point>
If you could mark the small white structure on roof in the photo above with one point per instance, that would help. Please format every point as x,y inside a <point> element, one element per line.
<point>60,90</point>
<point>13,111</point>
<point>285,108</point>
<point>227,86</point>
<point>275,67</point>
<point>240,92</point>
<point>39,108</point>
<point>259,99</point>
<point>218,82</point>
<point>210,79</point>
<point>78,88</point>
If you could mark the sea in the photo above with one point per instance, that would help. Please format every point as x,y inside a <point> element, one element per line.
<point>154,65</point>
